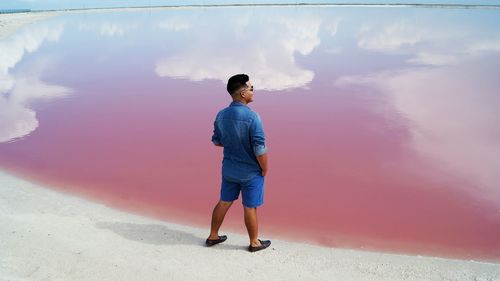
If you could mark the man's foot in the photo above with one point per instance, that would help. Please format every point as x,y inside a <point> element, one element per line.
<point>211,242</point>
<point>263,244</point>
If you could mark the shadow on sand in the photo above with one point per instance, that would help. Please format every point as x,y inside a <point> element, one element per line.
<point>159,235</point>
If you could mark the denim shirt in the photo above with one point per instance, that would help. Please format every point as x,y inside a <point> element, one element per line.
<point>239,130</point>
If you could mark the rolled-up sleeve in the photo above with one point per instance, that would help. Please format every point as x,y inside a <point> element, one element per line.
<point>216,135</point>
<point>257,138</point>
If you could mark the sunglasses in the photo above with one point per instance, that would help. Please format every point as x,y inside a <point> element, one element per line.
<point>247,89</point>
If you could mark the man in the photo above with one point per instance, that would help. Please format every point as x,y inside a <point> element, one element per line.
<point>239,130</point>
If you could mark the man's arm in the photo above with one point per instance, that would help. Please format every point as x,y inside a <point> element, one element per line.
<point>258,141</point>
<point>263,163</point>
<point>216,136</point>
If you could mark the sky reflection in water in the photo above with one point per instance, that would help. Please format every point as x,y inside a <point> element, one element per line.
<point>382,124</point>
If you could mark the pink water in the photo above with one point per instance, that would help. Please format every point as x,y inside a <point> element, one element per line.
<point>374,151</point>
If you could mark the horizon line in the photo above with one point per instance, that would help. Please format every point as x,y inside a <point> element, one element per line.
<point>300,4</point>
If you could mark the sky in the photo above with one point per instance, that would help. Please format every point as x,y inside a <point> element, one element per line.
<point>59,4</point>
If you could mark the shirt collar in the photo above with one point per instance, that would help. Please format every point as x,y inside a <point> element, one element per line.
<point>237,103</point>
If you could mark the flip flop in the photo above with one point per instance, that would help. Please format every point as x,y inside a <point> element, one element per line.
<point>210,242</point>
<point>264,244</point>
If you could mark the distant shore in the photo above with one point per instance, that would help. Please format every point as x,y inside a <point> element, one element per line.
<point>9,23</point>
<point>291,4</point>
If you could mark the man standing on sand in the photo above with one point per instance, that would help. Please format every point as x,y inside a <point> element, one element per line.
<point>239,130</point>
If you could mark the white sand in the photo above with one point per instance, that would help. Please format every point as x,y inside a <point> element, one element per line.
<point>45,235</point>
<point>9,23</point>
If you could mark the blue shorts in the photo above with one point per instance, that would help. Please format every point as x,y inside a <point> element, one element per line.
<point>252,191</point>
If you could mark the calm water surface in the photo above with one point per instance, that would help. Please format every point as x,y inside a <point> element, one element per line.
<point>382,124</point>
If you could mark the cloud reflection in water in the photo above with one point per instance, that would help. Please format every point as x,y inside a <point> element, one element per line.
<point>250,46</point>
<point>450,98</point>
<point>18,91</point>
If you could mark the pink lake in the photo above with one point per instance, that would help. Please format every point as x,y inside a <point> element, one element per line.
<point>382,124</point>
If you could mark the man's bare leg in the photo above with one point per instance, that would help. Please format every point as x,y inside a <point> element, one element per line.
<point>252,226</point>
<point>218,215</point>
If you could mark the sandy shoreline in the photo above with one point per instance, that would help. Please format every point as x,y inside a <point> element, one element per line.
<point>47,235</point>
<point>9,23</point>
